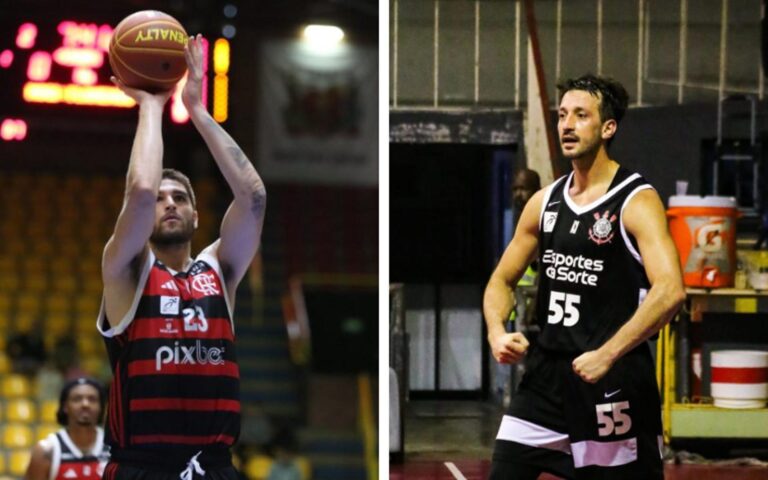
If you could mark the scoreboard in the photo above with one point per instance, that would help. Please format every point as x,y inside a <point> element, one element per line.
<point>57,69</point>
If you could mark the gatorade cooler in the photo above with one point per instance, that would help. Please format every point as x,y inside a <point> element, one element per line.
<point>704,231</point>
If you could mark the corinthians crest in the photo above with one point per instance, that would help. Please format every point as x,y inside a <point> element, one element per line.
<point>602,230</point>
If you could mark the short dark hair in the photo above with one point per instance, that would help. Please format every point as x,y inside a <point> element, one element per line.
<point>173,174</point>
<point>612,94</point>
<point>61,415</point>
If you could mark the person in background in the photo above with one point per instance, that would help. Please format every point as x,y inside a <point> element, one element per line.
<point>77,451</point>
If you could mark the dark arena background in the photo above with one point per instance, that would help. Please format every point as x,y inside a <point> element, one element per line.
<point>304,110</point>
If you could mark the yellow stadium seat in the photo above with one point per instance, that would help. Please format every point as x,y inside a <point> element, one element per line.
<point>35,282</point>
<point>5,300</point>
<point>85,324</point>
<point>18,462</point>
<point>66,229</point>
<point>44,429</point>
<point>34,265</point>
<point>43,246</point>
<point>57,323</point>
<point>5,364</point>
<point>257,467</point>
<point>15,386</point>
<point>88,305</point>
<point>26,320</point>
<point>9,282</point>
<point>7,262</point>
<point>29,303</point>
<point>20,410</point>
<point>58,303</point>
<point>92,285</point>
<point>90,265</point>
<point>95,366</point>
<point>17,435</point>
<point>3,466</point>
<point>48,409</point>
<point>88,345</point>
<point>65,284</point>
<point>15,246</point>
<point>305,467</point>
<point>62,265</point>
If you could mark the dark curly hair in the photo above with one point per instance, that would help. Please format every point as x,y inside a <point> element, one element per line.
<point>61,415</point>
<point>612,95</point>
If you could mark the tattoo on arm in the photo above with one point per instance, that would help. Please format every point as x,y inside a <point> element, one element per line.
<point>258,201</point>
<point>240,159</point>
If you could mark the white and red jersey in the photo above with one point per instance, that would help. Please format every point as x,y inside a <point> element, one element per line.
<point>68,462</point>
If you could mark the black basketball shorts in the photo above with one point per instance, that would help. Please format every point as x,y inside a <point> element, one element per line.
<point>607,430</point>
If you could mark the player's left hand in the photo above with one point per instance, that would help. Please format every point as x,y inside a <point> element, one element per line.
<point>592,366</point>
<point>193,53</point>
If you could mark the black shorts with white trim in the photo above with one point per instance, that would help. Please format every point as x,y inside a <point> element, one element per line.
<point>610,429</point>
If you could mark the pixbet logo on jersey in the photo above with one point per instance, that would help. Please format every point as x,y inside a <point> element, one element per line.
<point>570,268</point>
<point>195,355</point>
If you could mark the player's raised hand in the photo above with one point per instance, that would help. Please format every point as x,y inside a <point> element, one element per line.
<point>193,53</point>
<point>142,96</point>
<point>509,347</point>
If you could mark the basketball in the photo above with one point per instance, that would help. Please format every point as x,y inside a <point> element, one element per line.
<point>147,51</point>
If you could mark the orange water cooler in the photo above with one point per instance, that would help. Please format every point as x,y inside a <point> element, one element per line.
<point>704,231</point>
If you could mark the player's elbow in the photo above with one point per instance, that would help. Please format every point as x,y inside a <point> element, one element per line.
<point>256,196</point>
<point>675,295</point>
<point>141,191</point>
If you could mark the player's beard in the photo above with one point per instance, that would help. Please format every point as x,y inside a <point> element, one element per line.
<point>174,237</point>
<point>584,150</point>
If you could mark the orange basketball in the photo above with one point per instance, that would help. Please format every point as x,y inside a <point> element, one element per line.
<point>147,51</point>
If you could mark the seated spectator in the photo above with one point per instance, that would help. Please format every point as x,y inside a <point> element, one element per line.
<point>283,448</point>
<point>26,351</point>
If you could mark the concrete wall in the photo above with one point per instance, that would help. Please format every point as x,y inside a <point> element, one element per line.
<point>471,45</point>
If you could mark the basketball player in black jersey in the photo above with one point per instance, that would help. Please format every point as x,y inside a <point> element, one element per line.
<point>609,278</point>
<point>174,406</point>
<point>76,451</point>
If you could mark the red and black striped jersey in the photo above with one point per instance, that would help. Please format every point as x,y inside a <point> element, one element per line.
<point>176,381</point>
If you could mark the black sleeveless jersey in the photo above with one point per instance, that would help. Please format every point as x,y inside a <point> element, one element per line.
<point>176,379</point>
<point>591,276</point>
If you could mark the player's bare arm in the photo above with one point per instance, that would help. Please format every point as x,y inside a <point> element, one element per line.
<point>242,224</point>
<point>39,466</point>
<point>128,245</point>
<point>645,219</point>
<point>498,300</point>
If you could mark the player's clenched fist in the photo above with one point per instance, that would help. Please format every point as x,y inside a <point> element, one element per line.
<point>509,347</point>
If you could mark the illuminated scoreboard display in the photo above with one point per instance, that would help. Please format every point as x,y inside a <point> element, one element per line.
<point>61,68</point>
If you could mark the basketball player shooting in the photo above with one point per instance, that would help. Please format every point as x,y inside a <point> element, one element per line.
<point>166,318</point>
<point>588,406</point>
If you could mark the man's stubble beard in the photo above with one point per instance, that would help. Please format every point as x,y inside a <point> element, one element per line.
<point>177,237</point>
